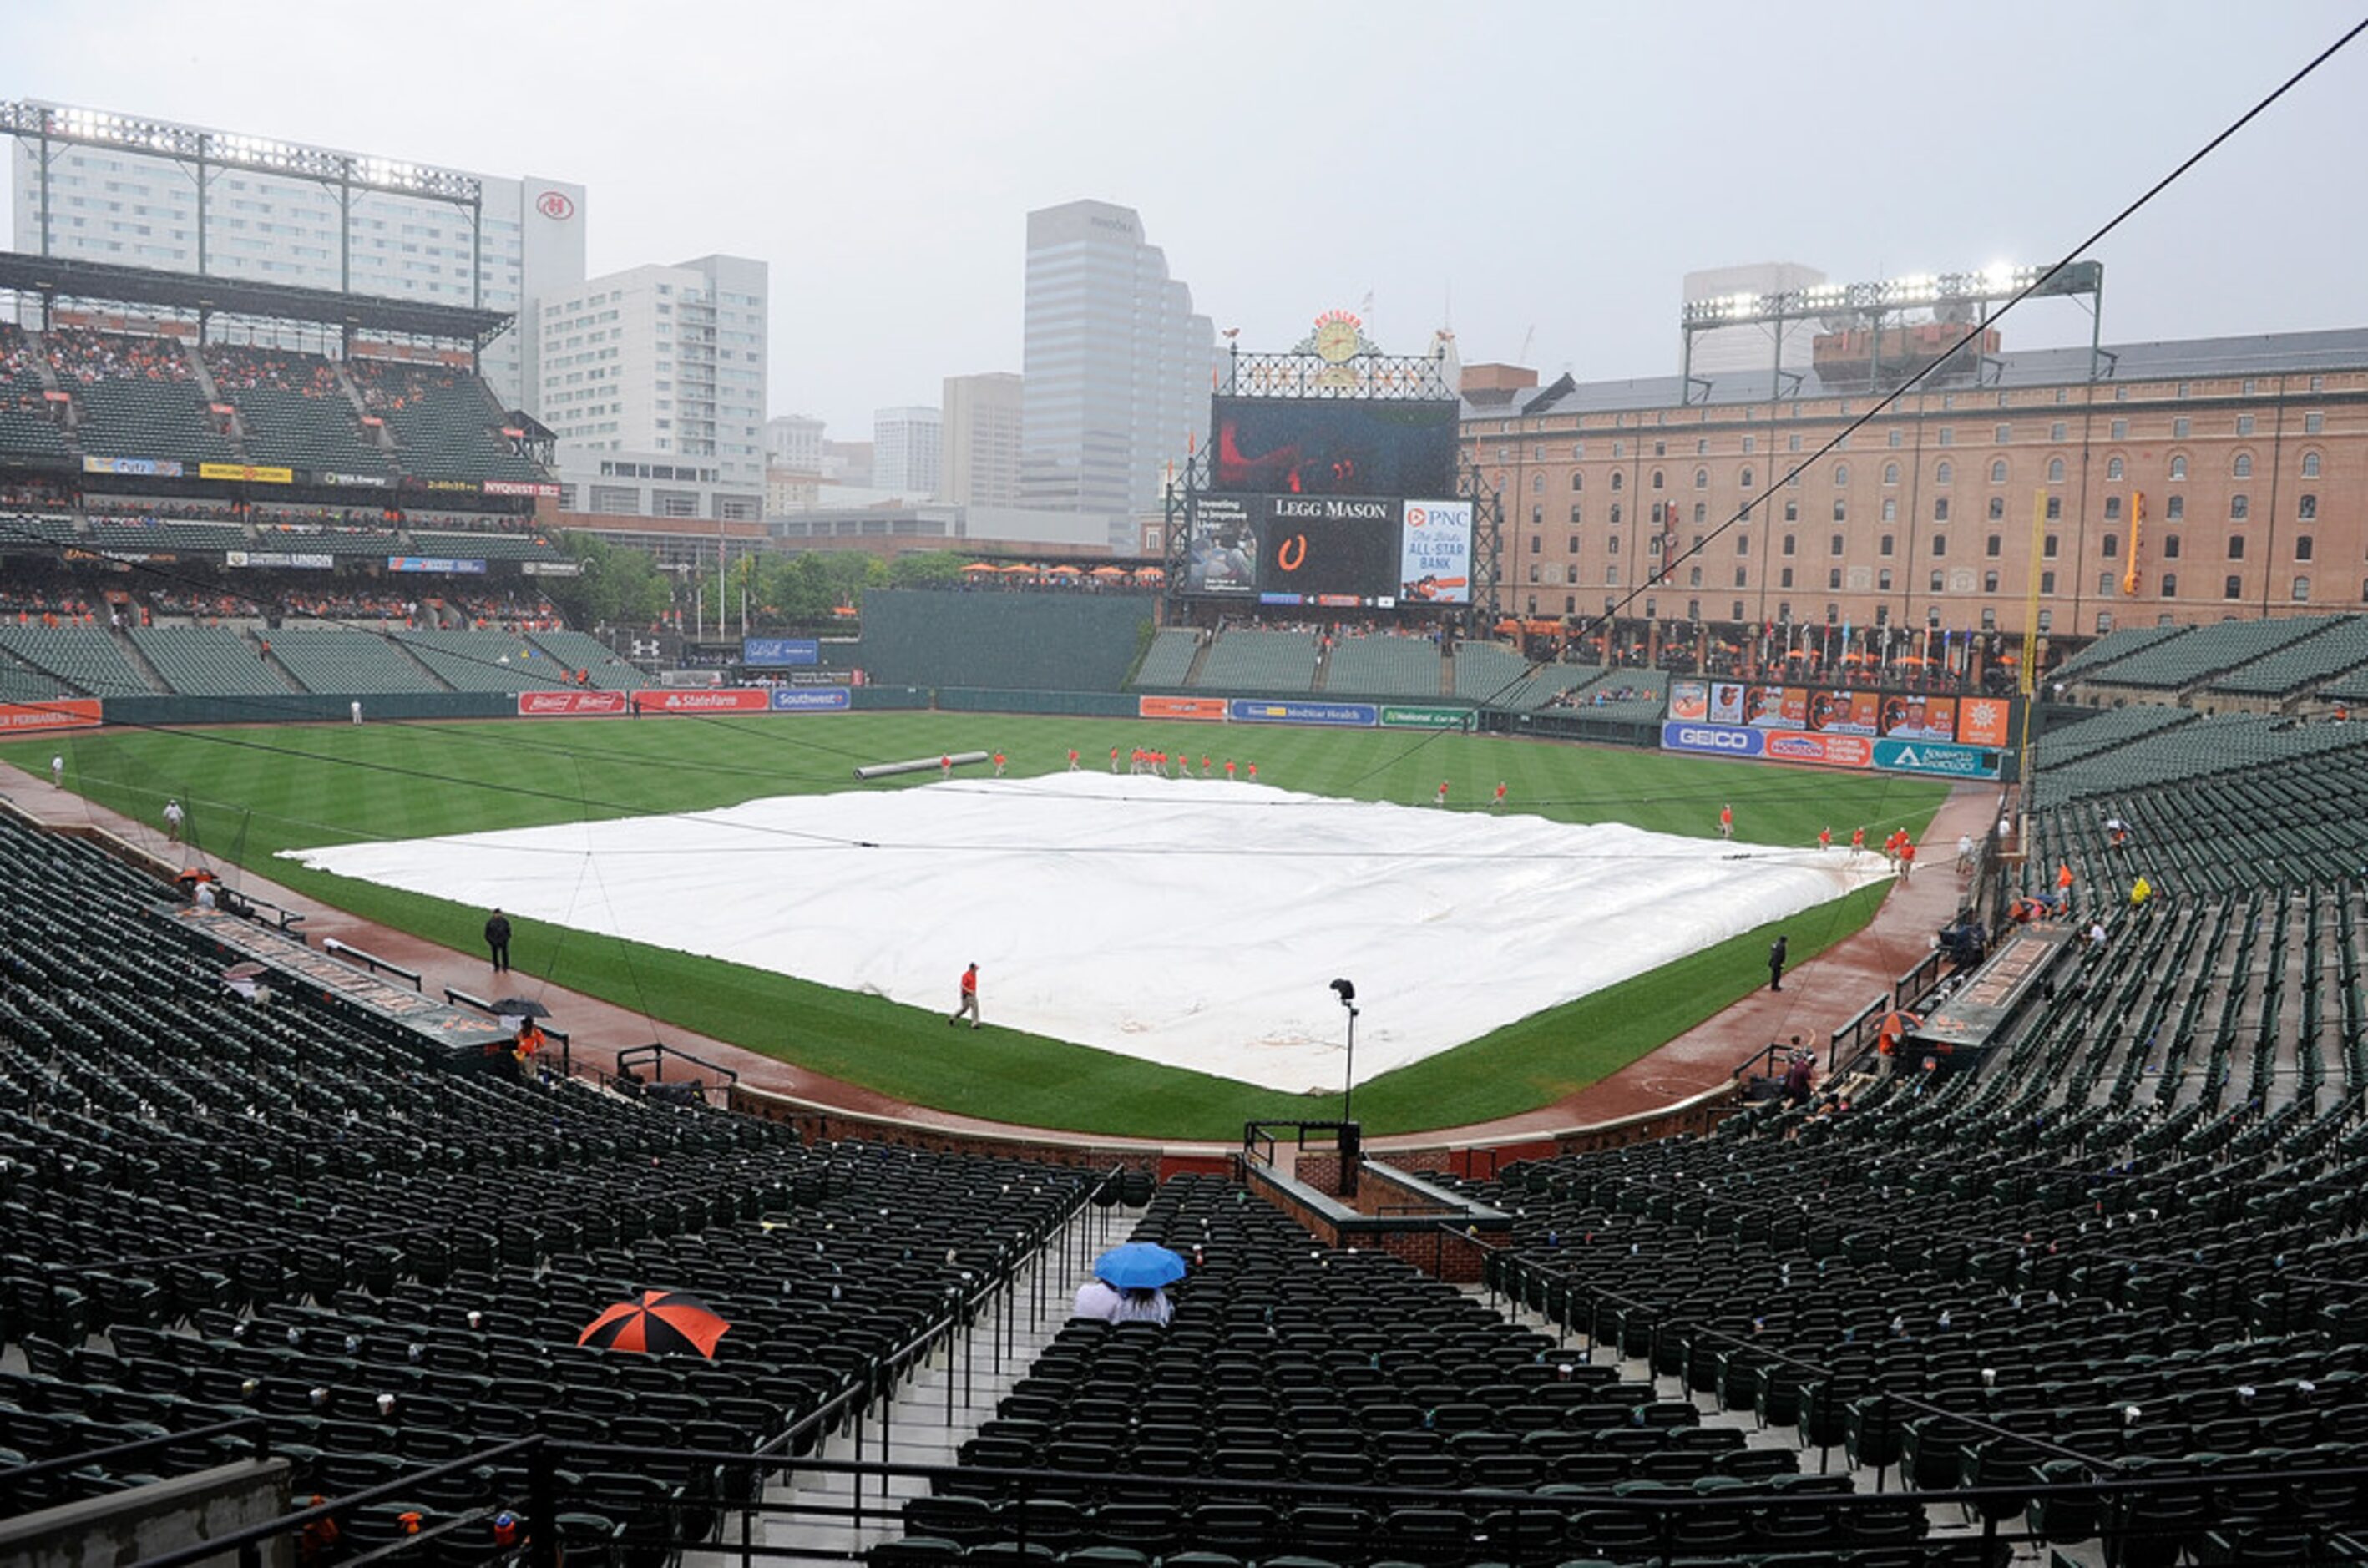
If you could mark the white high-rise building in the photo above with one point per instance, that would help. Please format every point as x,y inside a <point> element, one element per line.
<point>128,190</point>
<point>794,441</point>
<point>1115,367</point>
<point>1752,348</point>
<point>982,439</point>
<point>653,381</point>
<point>906,445</point>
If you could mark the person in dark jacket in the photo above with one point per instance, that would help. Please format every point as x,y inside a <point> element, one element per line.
<point>498,939</point>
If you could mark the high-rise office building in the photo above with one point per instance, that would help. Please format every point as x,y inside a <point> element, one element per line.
<point>657,374</point>
<point>906,444</point>
<point>1115,367</point>
<point>981,466</point>
<point>794,441</point>
<point>141,192</point>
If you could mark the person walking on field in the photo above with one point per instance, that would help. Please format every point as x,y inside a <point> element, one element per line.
<point>58,771</point>
<point>1776,965</point>
<point>1825,838</point>
<point>969,997</point>
<point>174,816</point>
<point>498,939</point>
<point>1498,804</point>
<point>1073,759</point>
<point>1727,821</point>
<point>998,765</point>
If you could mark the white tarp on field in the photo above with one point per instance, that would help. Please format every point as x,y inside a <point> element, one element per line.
<point>1191,923</point>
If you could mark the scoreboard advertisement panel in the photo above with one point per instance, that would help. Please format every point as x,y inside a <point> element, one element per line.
<point>1343,551</point>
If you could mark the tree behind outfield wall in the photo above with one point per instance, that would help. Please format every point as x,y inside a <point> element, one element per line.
<point>615,586</point>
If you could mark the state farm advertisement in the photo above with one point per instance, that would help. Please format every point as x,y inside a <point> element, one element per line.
<point>570,704</point>
<point>709,700</point>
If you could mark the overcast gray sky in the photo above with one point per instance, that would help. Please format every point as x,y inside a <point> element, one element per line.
<point>1511,168</point>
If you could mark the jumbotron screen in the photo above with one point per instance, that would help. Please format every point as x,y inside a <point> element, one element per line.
<point>1307,447</point>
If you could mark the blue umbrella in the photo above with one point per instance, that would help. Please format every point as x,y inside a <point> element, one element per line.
<point>1139,1265</point>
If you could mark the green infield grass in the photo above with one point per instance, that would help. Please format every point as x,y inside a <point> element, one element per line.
<point>251,791</point>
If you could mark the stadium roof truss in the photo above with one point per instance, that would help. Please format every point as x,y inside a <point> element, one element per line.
<point>45,127</point>
<point>56,282</point>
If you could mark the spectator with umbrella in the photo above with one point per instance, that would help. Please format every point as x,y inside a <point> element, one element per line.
<point>656,1323</point>
<point>1128,1285</point>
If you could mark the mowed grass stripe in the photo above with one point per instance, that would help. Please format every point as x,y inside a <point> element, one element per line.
<point>253,791</point>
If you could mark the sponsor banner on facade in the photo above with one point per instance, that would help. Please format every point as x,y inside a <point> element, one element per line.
<point>1828,751</point>
<point>442,564</point>
<point>1395,716</point>
<point>1257,711</point>
<point>1983,720</point>
<point>247,473</point>
<point>780,653</point>
<point>65,713</point>
<point>1435,552</point>
<point>1180,708</point>
<point>1936,758</point>
<point>539,489</point>
<point>570,704</point>
<point>301,561</point>
<point>456,486</point>
<point>1718,740</point>
<point>810,699</point>
<point>552,568</point>
<point>357,480</point>
<point>713,699</point>
<point>149,468</point>
<point>1689,702</point>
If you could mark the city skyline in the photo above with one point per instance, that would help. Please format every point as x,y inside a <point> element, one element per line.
<point>1545,180</point>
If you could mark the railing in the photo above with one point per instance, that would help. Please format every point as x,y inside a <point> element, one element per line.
<point>369,960</point>
<point>1912,986</point>
<point>1854,1033</point>
<point>627,1080</point>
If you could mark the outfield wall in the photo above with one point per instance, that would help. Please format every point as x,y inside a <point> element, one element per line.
<point>1003,641</point>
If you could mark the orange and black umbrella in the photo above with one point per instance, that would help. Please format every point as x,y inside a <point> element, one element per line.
<point>656,1321</point>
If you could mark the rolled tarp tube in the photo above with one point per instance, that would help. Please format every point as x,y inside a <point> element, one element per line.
<point>921,764</point>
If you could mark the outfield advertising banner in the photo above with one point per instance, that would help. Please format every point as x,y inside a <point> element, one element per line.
<point>780,653</point>
<point>1716,739</point>
<point>1828,751</point>
<point>539,489</point>
<point>1395,716</point>
<point>443,564</point>
<point>145,468</point>
<point>1940,760</point>
<point>810,700</point>
<point>356,481</point>
<point>247,473</point>
<point>300,560</point>
<point>1435,553</point>
<point>570,704</point>
<point>1207,709</point>
<point>713,699</point>
<point>65,713</point>
<point>1346,715</point>
<point>1983,720</point>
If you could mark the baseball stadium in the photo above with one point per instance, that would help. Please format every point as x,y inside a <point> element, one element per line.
<point>1276,1050</point>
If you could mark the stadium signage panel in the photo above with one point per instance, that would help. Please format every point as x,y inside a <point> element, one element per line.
<point>247,473</point>
<point>1831,751</point>
<point>1340,551</point>
<point>304,562</point>
<point>1204,708</point>
<point>460,486</point>
<point>713,701</point>
<point>521,487</point>
<point>357,480</point>
<point>1395,716</point>
<point>570,704</point>
<point>151,468</point>
<point>780,653</point>
<point>444,564</point>
<point>1435,552</point>
<point>65,713</point>
<point>1983,720</point>
<point>1933,757</point>
<point>810,699</point>
<point>1352,715</point>
<point>1719,740</point>
<point>552,568</point>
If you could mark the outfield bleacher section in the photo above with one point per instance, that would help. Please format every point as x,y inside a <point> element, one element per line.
<point>2107,728</point>
<point>158,420</point>
<point>582,651</point>
<point>484,660</point>
<point>207,661</point>
<point>2339,647</point>
<point>37,530</point>
<point>2176,663</point>
<point>1167,663</point>
<point>2112,647</point>
<point>28,424</point>
<point>84,657</point>
<point>170,537</point>
<point>337,660</point>
<point>2221,743</point>
<point>1485,672</point>
<point>303,539</point>
<point>1245,659</point>
<point>1383,667</point>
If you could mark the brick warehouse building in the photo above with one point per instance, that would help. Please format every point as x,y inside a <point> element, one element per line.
<point>2250,455</point>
